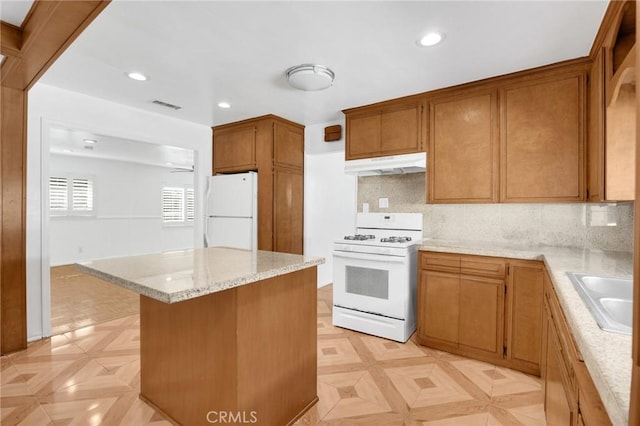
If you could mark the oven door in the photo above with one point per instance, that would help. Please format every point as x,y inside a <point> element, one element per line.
<point>371,283</point>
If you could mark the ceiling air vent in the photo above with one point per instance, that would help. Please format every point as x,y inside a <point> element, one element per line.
<point>164,104</point>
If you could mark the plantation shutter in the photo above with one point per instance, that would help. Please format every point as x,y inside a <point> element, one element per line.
<point>58,194</point>
<point>82,195</point>
<point>172,205</point>
<point>191,204</point>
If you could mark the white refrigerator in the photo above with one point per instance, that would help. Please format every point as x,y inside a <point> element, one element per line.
<point>232,211</point>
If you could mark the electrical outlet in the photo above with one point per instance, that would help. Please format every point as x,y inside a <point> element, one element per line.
<point>383,203</point>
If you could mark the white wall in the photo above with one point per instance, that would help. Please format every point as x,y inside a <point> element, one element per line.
<point>329,198</point>
<point>48,105</point>
<point>127,212</point>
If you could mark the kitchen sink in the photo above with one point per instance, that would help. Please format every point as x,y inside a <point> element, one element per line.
<point>609,299</point>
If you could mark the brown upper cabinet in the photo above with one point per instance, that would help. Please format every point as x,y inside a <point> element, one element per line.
<point>542,138</point>
<point>463,158</point>
<point>612,107</point>
<point>274,147</point>
<point>234,149</point>
<point>515,138</point>
<point>389,128</point>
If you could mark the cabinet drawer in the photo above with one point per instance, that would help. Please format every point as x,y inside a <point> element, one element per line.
<point>440,262</point>
<point>484,266</point>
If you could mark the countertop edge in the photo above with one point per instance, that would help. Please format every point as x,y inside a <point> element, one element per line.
<point>612,401</point>
<point>193,293</point>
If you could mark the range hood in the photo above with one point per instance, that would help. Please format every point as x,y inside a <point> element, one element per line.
<point>390,165</point>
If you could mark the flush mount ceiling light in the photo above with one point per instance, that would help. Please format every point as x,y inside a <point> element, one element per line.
<point>225,105</point>
<point>310,77</point>
<point>430,39</point>
<point>137,76</point>
<point>91,141</point>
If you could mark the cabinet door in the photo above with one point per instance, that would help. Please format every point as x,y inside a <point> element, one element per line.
<point>481,315</point>
<point>438,306</point>
<point>288,146</point>
<point>542,132</point>
<point>463,149</point>
<point>524,315</point>
<point>558,402</point>
<point>363,136</point>
<point>287,205</point>
<point>234,149</point>
<point>400,130</point>
<point>595,142</point>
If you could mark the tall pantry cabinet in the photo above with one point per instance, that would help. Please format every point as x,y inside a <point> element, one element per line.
<point>273,147</point>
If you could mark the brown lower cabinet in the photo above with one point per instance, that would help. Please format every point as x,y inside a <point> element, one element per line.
<point>570,397</point>
<point>487,308</point>
<point>506,312</point>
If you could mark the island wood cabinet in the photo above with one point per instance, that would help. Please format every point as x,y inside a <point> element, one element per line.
<point>570,397</point>
<point>487,308</point>
<point>542,138</point>
<point>388,128</point>
<point>463,148</point>
<point>274,147</point>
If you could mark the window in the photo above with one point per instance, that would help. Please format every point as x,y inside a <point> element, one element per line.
<point>178,205</point>
<point>70,196</point>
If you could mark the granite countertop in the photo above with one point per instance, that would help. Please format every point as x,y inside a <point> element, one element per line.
<point>607,355</point>
<point>186,274</point>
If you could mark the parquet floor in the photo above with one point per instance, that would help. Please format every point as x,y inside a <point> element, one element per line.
<point>79,300</point>
<point>91,376</point>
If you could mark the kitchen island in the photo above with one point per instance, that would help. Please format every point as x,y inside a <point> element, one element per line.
<point>226,335</point>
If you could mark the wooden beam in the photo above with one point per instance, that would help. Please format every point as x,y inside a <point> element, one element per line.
<point>48,30</point>
<point>50,27</point>
<point>13,294</point>
<point>10,39</point>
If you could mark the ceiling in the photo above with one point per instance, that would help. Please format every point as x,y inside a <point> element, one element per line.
<point>74,142</point>
<point>199,53</point>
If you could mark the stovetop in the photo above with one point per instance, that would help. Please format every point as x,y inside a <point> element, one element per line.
<point>390,232</point>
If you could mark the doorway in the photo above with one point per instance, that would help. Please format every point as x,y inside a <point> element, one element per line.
<point>107,196</point>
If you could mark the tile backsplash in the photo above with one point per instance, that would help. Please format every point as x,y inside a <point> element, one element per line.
<point>599,226</point>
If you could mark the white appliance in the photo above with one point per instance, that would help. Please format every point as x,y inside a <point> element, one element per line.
<point>232,211</point>
<point>389,165</point>
<point>375,275</point>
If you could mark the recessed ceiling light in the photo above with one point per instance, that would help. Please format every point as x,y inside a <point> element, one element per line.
<point>137,76</point>
<point>430,39</point>
<point>224,105</point>
<point>92,141</point>
<point>169,164</point>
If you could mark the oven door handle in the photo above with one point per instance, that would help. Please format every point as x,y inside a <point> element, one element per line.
<point>370,256</point>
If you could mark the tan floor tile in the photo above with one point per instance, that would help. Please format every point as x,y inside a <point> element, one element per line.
<point>532,415</point>
<point>355,394</point>
<point>480,373</point>
<point>508,381</point>
<point>325,326</point>
<point>472,420</point>
<point>22,411</point>
<point>383,349</point>
<point>13,383</point>
<point>336,352</point>
<point>81,412</point>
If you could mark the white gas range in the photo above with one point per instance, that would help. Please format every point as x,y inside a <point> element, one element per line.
<point>375,275</point>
